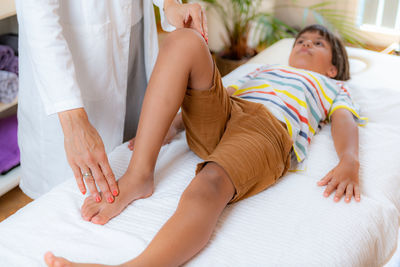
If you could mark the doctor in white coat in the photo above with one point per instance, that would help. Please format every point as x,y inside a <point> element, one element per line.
<point>84,66</point>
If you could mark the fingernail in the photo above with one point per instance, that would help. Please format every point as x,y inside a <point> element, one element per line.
<point>98,199</point>
<point>83,192</point>
<point>115,193</point>
<point>336,198</point>
<point>110,199</point>
<point>325,194</point>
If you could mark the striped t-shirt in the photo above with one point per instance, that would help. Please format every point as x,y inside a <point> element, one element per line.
<point>302,99</point>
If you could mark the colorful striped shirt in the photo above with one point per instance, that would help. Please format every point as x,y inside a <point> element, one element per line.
<point>301,99</point>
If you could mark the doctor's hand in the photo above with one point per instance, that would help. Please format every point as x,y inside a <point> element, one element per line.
<point>186,16</point>
<point>86,155</point>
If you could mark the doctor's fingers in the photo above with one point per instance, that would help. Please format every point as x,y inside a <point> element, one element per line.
<point>101,182</point>
<point>205,27</point>
<point>109,175</point>
<point>199,18</point>
<point>90,182</point>
<point>78,177</point>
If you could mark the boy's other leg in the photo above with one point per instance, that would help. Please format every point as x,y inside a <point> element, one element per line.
<point>183,61</point>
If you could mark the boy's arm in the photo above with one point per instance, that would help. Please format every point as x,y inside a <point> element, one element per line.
<point>344,177</point>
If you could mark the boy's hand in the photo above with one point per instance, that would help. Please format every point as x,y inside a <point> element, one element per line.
<point>231,90</point>
<point>343,178</point>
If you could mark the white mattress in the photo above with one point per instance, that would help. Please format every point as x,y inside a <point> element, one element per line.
<point>289,224</point>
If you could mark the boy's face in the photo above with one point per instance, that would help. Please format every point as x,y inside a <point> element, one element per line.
<point>312,52</point>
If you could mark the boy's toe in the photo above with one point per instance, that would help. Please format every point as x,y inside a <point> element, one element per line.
<point>89,211</point>
<point>49,258</point>
<point>101,218</point>
<point>53,261</point>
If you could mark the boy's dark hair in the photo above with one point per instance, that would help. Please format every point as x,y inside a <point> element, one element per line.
<point>339,55</point>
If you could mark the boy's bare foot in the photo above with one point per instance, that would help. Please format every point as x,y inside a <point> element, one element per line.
<point>131,188</point>
<point>53,261</point>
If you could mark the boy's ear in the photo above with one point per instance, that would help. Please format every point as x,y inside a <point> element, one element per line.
<point>332,71</point>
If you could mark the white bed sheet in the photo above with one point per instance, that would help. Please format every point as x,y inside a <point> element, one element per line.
<point>290,224</point>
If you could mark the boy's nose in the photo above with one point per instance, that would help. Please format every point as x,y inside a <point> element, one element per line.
<point>307,43</point>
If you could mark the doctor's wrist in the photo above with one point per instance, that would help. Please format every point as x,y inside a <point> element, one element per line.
<point>72,118</point>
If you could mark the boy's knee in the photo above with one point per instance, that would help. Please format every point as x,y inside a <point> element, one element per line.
<point>212,184</point>
<point>184,40</point>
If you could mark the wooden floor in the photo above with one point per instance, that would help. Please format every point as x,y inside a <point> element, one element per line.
<point>11,202</point>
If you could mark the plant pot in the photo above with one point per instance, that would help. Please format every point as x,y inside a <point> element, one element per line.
<point>226,65</point>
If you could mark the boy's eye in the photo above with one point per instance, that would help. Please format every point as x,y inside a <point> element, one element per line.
<point>319,43</point>
<point>300,41</point>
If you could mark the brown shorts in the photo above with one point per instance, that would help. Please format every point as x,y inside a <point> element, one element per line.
<point>242,137</point>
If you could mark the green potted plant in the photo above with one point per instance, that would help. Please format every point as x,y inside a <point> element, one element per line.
<point>238,18</point>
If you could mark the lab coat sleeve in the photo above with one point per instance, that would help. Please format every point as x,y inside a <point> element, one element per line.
<point>49,54</point>
<point>164,22</point>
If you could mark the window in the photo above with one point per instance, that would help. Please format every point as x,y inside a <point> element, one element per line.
<point>380,15</point>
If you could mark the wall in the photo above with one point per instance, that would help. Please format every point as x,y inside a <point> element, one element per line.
<point>9,25</point>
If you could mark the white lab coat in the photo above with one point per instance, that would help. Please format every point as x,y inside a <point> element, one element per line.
<point>73,53</point>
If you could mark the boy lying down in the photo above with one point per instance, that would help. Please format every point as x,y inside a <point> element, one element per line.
<point>249,135</point>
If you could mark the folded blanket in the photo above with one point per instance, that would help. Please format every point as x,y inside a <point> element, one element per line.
<point>13,66</point>
<point>8,86</point>
<point>9,152</point>
<point>6,56</point>
<point>11,40</point>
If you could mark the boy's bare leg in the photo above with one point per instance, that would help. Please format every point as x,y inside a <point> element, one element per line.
<point>184,61</point>
<point>192,224</point>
